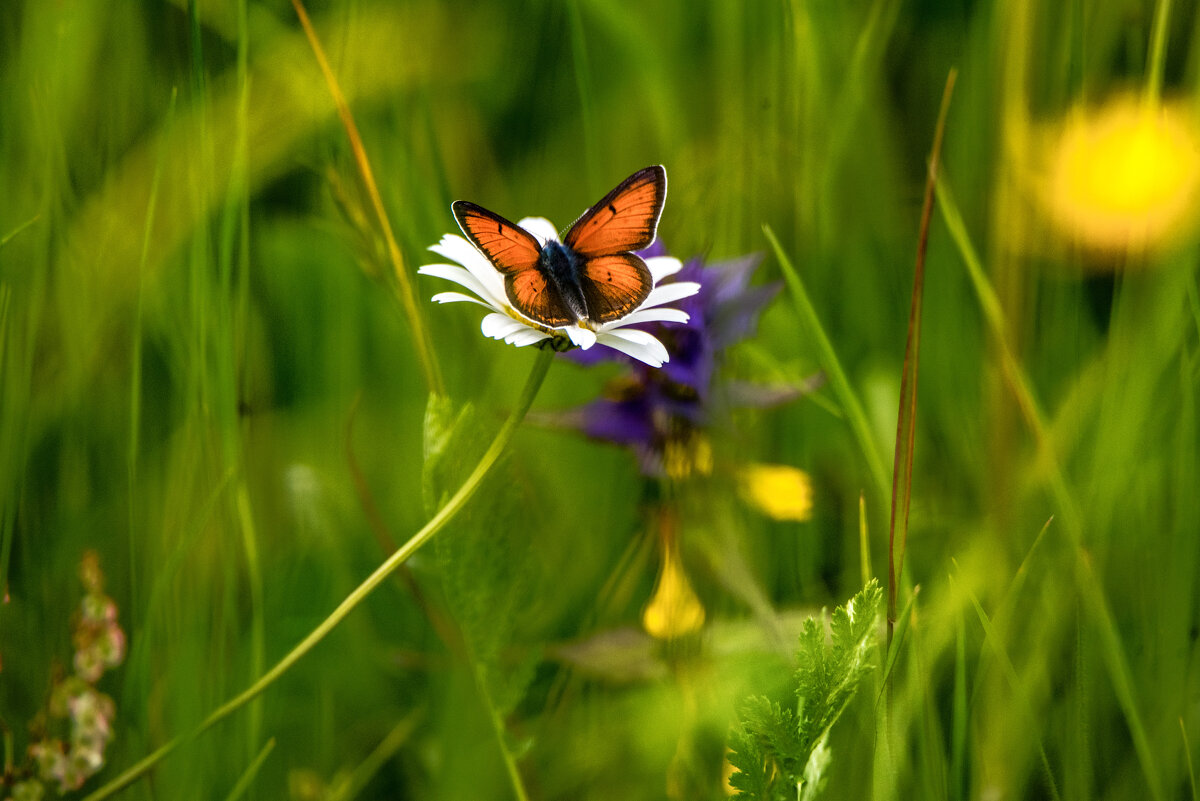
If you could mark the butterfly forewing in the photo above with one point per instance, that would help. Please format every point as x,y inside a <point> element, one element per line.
<point>613,286</point>
<point>533,296</point>
<point>509,247</point>
<point>626,219</point>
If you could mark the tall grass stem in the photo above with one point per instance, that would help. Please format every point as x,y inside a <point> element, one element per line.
<point>832,366</point>
<point>906,417</point>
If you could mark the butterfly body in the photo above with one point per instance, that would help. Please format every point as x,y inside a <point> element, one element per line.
<point>591,277</point>
<point>561,266</point>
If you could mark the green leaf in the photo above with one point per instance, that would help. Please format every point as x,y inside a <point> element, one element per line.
<point>777,752</point>
<point>827,677</point>
<point>776,731</point>
<point>815,772</point>
<point>485,556</point>
<point>752,777</point>
<point>445,432</point>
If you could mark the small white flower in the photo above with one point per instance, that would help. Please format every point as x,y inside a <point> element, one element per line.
<point>473,271</point>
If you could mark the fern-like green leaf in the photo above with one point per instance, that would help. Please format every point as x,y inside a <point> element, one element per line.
<point>784,755</point>
<point>774,727</point>
<point>752,768</point>
<point>827,677</point>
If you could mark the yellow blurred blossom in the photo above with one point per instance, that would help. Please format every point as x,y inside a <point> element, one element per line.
<point>687,456</point>
<point>674,610</point>
<point>1125,175</point>
<point>780,491</point>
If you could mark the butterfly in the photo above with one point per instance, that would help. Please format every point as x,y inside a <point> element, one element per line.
<point>590,276</point>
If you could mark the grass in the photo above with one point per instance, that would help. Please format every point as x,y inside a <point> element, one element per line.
<point>220,371</point>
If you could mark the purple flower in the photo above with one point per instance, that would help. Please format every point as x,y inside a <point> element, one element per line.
<point>661,414</point>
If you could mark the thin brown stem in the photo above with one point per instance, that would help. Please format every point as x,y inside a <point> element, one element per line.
<point>906,423</point>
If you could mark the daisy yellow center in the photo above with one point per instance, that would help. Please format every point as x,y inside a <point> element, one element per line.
<point>1127,175</point>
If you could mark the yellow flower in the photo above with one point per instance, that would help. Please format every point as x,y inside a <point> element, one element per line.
<point>688,456</point>
<point>674,610</point>
<point>1125,175</point>
<point>780,491</point>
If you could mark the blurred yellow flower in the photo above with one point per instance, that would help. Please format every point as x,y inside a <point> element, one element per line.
<point>780,491</point>
<point>1125,175</point>
<point>687,457</point>
<point>674,610</point>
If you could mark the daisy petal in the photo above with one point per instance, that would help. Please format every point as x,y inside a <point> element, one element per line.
<point>662,266</point>
<point>488,278</point>
<point>581,336</point>
<point>541,228</point>
<point>638,344</point>
<point>635,335</point>
<point>644,315</point>
<point>456,297</point>
<point>455,248</point>
<point>500,326</point>
<point>461,276</point>
<point>668,293</point>
<point>526,337</point>
<point>460,250</point>
<point>451,272</point>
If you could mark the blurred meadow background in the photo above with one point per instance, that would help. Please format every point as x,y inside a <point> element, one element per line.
<point>226,399</point>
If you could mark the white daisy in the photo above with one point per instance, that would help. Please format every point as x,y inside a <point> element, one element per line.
<point>473,271</point>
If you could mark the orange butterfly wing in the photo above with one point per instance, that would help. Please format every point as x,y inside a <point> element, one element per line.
<point>533,296</point>
<point>615,285</point>
<point>625,219</point>
<point>509,247</point>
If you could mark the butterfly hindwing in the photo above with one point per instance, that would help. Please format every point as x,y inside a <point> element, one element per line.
<point>509,247</point>
<point>614,285</point>
<point>535,297</point>
<point>625,219</point>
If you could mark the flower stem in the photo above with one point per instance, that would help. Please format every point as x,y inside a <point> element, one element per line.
<point>439,520</point>
<point>510,762</point>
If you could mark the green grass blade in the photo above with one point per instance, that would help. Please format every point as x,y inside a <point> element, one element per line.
<point>959,715</point>
<point>247,777</point>
<point>8,237</point>
<point>1014,681</point>
<point>832,366</point>
<point>1158,51</point>
<point>1187,753</point>
<point>1018,382</point>
<point>357,781</point>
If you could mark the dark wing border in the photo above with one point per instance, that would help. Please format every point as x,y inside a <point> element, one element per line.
<point>462,209</point>
<point>660,182</point>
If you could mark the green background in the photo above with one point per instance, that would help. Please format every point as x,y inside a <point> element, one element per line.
<point>201,346</point>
